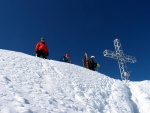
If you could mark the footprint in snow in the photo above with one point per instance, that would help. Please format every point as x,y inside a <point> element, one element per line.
<point>5,80</point>
<point>21,99</point>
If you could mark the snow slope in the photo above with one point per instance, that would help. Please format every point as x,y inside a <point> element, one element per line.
<point>34,85</point>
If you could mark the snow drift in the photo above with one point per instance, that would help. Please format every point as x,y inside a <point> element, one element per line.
<point>34,85</point>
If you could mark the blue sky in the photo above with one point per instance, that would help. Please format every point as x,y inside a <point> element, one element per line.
<point>76,26</point>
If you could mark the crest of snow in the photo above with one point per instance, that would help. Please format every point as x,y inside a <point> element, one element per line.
<point>34,85</point>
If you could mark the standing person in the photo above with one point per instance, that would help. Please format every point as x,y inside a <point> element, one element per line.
<point>65,58</point>
<point>91,64</point>
<point>42,49</point>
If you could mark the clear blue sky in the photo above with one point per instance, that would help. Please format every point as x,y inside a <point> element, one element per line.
<point>76,26</point>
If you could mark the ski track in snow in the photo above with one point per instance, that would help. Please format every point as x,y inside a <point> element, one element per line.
<point>34,85</point>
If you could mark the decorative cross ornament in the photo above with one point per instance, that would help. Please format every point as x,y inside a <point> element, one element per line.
<point>121,57</point>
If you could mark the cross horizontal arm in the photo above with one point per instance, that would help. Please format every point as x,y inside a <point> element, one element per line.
<point>111,54</point>
<point>124,57</point>
<point>130,59</point>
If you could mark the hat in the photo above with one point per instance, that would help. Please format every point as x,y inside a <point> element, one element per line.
<point>92,56</point>
<point>67,55</point>
<point>42,38</point>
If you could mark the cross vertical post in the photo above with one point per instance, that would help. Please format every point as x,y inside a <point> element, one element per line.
<point>121,57</point>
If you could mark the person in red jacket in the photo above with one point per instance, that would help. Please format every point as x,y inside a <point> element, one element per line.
<point>42,49</point>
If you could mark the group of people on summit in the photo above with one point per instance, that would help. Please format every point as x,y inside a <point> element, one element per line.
<point>42,50</point>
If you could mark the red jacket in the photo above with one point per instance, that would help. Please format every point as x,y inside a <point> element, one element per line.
<point>41,46</point>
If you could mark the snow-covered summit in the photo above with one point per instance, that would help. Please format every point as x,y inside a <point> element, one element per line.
<point>34,85</point>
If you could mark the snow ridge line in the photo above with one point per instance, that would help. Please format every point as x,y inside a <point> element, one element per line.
<point>137,92</point>
<point>132,102</point>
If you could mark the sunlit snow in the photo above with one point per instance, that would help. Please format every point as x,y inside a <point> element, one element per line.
<point>34,85</point>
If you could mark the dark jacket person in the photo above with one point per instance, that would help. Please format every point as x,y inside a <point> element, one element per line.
<point>91,64</point>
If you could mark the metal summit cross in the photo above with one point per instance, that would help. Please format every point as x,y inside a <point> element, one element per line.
<point>121,57</point>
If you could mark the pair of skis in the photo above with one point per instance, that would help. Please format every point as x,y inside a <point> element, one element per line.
<point>85,60</point>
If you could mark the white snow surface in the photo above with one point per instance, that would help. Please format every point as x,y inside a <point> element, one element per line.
<point>34,85</point>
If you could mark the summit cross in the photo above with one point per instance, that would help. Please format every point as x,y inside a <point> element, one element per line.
<point>122,59</point>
